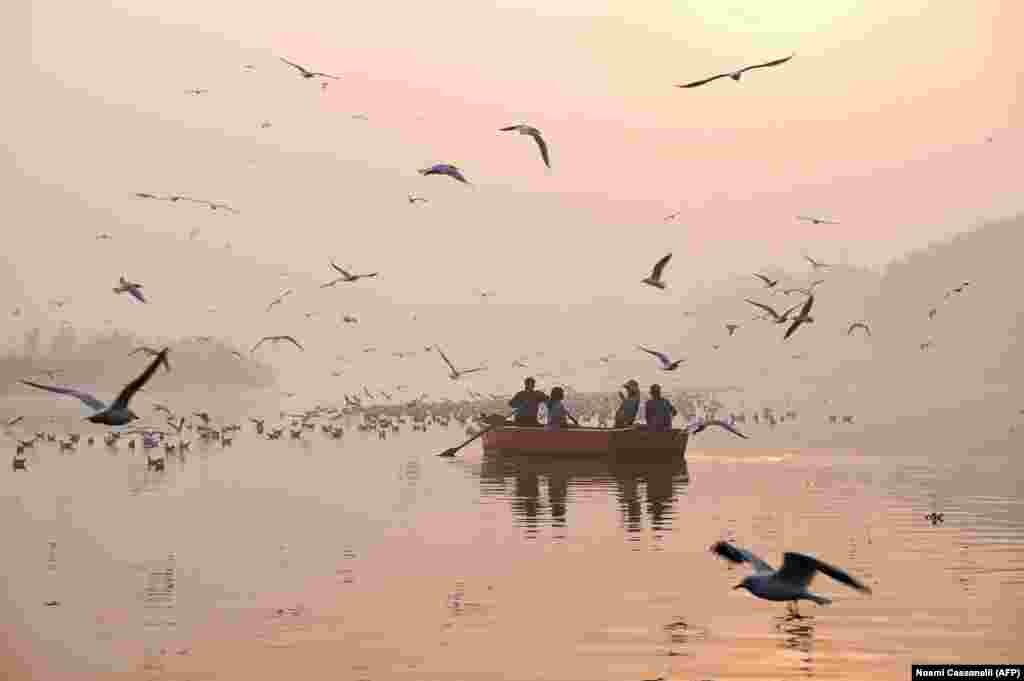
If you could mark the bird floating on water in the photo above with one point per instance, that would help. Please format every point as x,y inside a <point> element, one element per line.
<point>523,129</point>
<point>655,279</point>
<point>117,413</point>
<point>789,583</point>
<point>735,75</point>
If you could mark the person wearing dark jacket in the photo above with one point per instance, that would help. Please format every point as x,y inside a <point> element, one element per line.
<point>527,402</point>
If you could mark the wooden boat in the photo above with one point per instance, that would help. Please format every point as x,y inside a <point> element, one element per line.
<point>623,443</point>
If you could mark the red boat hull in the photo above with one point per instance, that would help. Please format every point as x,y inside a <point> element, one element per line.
<point>620,442</point>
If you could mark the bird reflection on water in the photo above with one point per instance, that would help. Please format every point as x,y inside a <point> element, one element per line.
<point>662,482</point>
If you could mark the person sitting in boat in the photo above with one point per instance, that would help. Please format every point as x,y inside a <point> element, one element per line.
<point>526,402</point>
<point>658,410</point>
<point>629,405</point>
<point>558,415</point>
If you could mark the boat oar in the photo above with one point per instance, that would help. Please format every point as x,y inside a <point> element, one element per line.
<point>452,451</point>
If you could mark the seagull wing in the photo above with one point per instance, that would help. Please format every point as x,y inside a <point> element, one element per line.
<point>792,329</point>
<point>728,426</point>
<point>325,75</point>
<point>764,307</point>
<point>661,357</point>
<point>446,361</point>
<point>292,341</point>
<point>543,148</point>
<point>509,128</point>
<point>259,343</point>
<point>737,555</point>
<point>806,309</point>
<point>659,267</point>
<point>774,62</point>
<point>469,371</point>
<point>85,397</point>
<point>129,390</point>
<point>343,273</point>
<point>289,63</point>
<point>698,83</point>
<point>799,569</point>
<point>136,293</point>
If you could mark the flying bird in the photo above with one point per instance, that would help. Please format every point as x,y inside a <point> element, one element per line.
<point>280,298</point>
<point>350,319</point>
<point>346,276</point>
<point>444,169</point>
<point>768,283</point>
<point>700,425</point>
<point>958,289</point>
<point>306,73</point>
<point>655,279</point>
<point>117,413</point>
<point>731,328</point>
<point>672,216</point>
<point>276,339</point>
<point>535,134</point>
<point>816,265</point>
<point>196,91</point>
<point>789,583</point>
<point>775,316</point>
<point>666,363</point>
<point>413,199</point>
<point>735,75</point>
<point>135,290</point>
<point>152,352</point>
<point>858,325</point>
<point>817,221</point>
<point>103,236</point>
<point>803,317</point>
<point>456,373</point>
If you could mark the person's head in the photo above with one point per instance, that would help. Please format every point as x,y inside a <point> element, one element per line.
<point>631,386</point>
<point>655,390</point>
<point>557,393</point>
<point>529,383</point>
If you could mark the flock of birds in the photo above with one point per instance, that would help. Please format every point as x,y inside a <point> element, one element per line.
<point>787,584</point>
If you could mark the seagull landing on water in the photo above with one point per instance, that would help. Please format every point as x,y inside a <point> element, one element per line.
<point>789,583</point>
<point>306,73</point>
<point>131,288</point>
<point>735,75</point>
<point>666,363</point>
<point>444,169</point>
<point>523,129</point>
<point>655,279</point>
<point>117,413</point>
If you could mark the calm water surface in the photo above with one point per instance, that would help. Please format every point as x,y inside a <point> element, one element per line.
<point>363,558</point>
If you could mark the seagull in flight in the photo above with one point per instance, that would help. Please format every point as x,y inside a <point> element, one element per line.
<point>816,265</point>
<point>280,298</point>
<point>803,317</point>
<point>735,75</point>
<point>413,199</point>
<point>152,352</point>
<point>775,316</point>
<point>731,328</point>
<point>655,279</point>
<point>444,169</point>
<point>523,129</point>
<point>117,413</point>
<point>672,216</point>
<point>350,319</point>
<point>817,221</point>
<point>806,291</point>
<point>196,91</point>
<point>789,583</point>
<point>768,283</point>
<point>306,73</point>
<point>456,373</point>
<point>958,289</point>
<point>858,325</point>
<point>276,339</point>
<point>346,276</point>
<point>135,290</point>
<point>103,236</point>
<point>700,425</point>
<point>666,363</point>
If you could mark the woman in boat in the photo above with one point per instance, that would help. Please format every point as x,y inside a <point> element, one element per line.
<point>558,415</point>
<point>659,411</point>
<point>629,405</point>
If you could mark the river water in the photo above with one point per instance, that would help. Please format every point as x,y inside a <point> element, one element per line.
<point>365,558</point>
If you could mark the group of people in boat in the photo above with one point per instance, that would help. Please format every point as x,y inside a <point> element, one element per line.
<point>658,411</point>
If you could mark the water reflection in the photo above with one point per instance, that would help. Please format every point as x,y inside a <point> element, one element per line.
<point>641,488</point>
<point>798,635</point>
